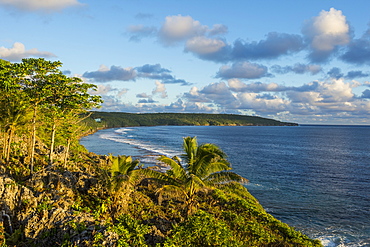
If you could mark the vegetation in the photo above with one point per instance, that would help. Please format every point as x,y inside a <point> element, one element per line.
<point>40,104</point>
<point>205,168</point>
<point>120,119</point>
<point>58,194</point>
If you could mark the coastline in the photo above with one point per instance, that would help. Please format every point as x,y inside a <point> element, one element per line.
<point>329,237</point>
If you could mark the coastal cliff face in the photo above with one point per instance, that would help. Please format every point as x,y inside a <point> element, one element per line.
<point>46,210</point>
<point>40,210</point>
<point>76,206</point>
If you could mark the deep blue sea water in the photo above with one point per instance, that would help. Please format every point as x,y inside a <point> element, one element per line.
<point>315,178</point>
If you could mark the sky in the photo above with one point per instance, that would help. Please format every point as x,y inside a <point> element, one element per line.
<point>298,61</point>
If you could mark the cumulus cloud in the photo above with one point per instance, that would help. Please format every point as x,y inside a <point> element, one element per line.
<point>325,33</point>
<point>179,28</point>
<point>236,85</point>
<point>356,74</point>
<point>104,90</point>
<point>322,36</point>
<point>18,51</point>
<point>150,69</point>
<point>43,5</point>
<point>147,101</point>
<point>206,48</point>
<point>114,73</point>
<point>138,32</point>
<point>366,94</point>
<point>337,74</point>
<point>156,72</point>
<point>253,101</point>
<point>218,29</point>
<point>336,91</point>
<point>218,93</point>
<point>320,98</point>
<point>143,95</point>
<point>160,89</point>
<point>244,70</point>
<point>297,68</point>
<point>274,46</point>
<point>117,73</point>
<point>358,51</point>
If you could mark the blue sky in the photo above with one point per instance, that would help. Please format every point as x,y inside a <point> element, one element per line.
<point>299,61</point>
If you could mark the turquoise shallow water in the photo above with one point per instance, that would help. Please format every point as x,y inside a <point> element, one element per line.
<point>315,178</point>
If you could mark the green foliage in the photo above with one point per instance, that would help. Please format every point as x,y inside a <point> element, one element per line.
<point>44,205</point>
<point>37,99</point>
<point>205,168</point>
<point>121,203</point>
<point>202,229</point>
<point>130,231</point>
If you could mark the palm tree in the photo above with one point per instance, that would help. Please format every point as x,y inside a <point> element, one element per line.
<point>120,182</point>
<point>205,167</point>
<point>123,172</point>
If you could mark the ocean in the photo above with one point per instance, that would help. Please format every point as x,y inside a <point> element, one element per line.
<point>314,178</point>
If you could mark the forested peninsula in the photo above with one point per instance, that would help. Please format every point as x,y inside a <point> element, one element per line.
<point>53,192</point>
<point>121,119</point>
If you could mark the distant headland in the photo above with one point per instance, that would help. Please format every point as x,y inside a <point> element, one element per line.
<point>122,119</point>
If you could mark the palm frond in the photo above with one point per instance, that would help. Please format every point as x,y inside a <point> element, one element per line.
<point>178,170</point>
<point>206,168</point>
<point>190,146</point>
<point>122,164</point>
<point>162,177</point>
<point>173,191</point>
<point>225,177</point>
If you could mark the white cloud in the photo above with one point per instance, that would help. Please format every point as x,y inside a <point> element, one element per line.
<point>45,5</point>
<point>18,51</point>
<point>236,85</point>
<point>143,95</point>
<point>325,32</point>
<point>218,29</point>
<point>245,70</point>
<point>104,90</point>
<point>297,68</point>
<point>305,97</point>
<point>179,28</point>
<point>262,104</point>
<point>114,73</point>
<point>337,91</point>
<point>160,89</point>
<point>201,45</point>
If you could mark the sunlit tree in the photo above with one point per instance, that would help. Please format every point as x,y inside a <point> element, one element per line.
<point>205,167</point>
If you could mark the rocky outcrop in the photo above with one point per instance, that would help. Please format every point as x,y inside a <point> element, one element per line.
<point>41,209</point>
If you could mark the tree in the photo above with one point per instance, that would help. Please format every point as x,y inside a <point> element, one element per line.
<point>35,78</point>
<point>58,95</point>
<point>37,87</point>
<point>205,167</point>
<point>120,182</point>
<point>123,172</point>
<point>66,96</point>
<point>13,106</point>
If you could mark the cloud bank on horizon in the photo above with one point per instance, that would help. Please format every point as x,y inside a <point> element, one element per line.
<point>317,75</point>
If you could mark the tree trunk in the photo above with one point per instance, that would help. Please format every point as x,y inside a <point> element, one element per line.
<point>4,141</point>
<point>67,152</point>
<point>8,144</point>
<point>33,139</point>
<point>51,153</point>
